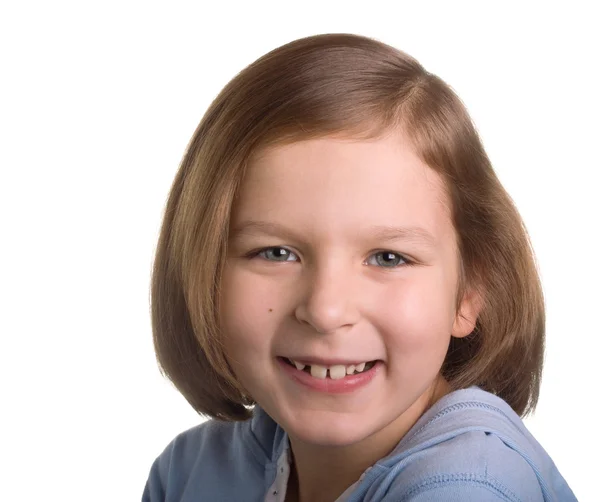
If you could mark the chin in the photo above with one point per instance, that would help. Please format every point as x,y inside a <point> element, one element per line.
<point>328,428</point>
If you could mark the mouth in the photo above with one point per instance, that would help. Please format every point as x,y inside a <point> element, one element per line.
<point>332,379</point>
<point>333,372</point>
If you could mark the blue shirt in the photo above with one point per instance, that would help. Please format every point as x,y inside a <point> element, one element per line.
<point>469,446</point>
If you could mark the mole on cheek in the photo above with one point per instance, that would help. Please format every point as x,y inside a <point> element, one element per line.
<point>270,310</point>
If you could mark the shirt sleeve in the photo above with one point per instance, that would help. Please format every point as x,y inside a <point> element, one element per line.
<point>469,491</point>
<point>155,489</point>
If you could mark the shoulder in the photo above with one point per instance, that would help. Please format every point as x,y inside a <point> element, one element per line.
<point>470,446</point>
<point>212,439</point>
<point>477,465</point>
<point>202,460</point>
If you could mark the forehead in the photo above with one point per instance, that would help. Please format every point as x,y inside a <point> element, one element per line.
<point>332,185</point>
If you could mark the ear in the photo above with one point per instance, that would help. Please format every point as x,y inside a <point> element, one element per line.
<point>467,313</point>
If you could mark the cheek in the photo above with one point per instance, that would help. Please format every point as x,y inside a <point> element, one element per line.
<point>417,316</point>
<point>250,309</point>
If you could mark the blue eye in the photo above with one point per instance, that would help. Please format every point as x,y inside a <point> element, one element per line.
<point>387,259</point>
<point>277,254</point>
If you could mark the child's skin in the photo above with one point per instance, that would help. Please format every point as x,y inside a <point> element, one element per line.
<point>335,297</point>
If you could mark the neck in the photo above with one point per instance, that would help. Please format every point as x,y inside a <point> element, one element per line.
<point>322,473</point>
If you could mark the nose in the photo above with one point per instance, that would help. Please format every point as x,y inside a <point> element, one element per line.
<point>328,301</point>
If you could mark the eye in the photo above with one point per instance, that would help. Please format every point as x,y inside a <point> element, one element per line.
<point>277,254</point>
<point>387,259</point>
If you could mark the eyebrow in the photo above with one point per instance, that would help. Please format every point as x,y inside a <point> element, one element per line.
<point>378,232</point>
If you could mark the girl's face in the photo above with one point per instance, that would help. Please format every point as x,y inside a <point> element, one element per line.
<point>341,253</point>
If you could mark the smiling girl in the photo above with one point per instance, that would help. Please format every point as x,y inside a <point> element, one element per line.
<point>344,286</point>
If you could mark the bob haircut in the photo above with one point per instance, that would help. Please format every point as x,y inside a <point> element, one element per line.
<point>358,88</point>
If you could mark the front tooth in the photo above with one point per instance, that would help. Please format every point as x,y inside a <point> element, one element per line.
<point>299,366</point>
<point>360,367</point>
<point>338,371</point>
<point>319,372</point>
<point>350,369</point>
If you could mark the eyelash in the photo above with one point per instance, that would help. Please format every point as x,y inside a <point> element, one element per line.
<point>405,260</point>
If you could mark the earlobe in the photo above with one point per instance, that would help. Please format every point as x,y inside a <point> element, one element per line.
<point>467,314</point>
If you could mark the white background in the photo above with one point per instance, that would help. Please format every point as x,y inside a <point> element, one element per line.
<point>98,101</point>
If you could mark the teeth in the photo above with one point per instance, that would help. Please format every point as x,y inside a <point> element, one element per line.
<point>337,372</point>
<point>299,366</point>
<point>318,371</point>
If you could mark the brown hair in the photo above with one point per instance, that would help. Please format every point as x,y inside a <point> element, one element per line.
<point>352,86</point>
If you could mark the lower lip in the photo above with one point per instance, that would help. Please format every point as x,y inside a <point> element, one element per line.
<point>345,385</point>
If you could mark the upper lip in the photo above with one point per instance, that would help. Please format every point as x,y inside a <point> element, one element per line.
<point>309,361</point>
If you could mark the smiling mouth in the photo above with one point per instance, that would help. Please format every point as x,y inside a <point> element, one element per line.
<point>335,372</point>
